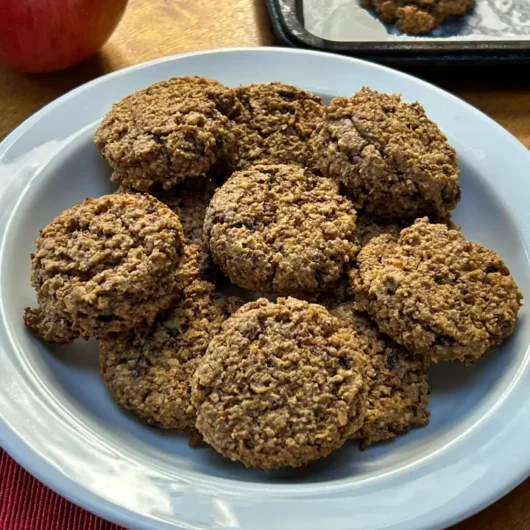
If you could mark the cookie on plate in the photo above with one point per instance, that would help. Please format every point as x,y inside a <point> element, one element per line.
<point>390,158</point>
<point>106,265</point>
<point>281,385</point>
<point>274,125</point>
<point>418,16</point>
<point>398,391</point>
<point>166,133</point>
<point>281,229</point>
<point>148,370</point>
<point>436,293</point>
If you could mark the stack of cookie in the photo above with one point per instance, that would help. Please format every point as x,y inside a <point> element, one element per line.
<point>341,211</point>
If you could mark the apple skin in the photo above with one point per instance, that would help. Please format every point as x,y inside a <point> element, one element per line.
<point>48,35</point>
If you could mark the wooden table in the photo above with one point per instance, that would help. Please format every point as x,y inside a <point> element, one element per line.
<point>154,28</point>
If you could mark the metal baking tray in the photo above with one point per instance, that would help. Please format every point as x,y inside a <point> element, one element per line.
<point>494,31</point>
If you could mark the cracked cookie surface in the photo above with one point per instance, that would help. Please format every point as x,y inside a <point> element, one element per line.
<point>274,125</point>
<point>107,264</point>
<point>280,229</point>
<point>281,385</point>
<point>166,133</point>
<point>436,293</point>
<point>148,370</point>
<point>390,158</point>
<point>398,391</point>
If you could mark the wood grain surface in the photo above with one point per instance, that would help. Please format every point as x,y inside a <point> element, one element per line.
<point>155,28</point>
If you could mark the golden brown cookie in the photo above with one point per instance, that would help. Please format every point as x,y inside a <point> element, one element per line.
<point>148,370</point>
<point>168,132</point>
<point>398,391</point>
<point>108,264</point>
<point>281,385</point>
<point>436,293</point>
<point>280,229</point>
<point>274,125</point>
<point>418,16</point>
<point>391,159</point>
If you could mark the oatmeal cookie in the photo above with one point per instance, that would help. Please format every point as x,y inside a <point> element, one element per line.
<point>436,293</point>
<point>274,125</point>
<point>391,159</point>
<point>398,391</point>
<point>280,229</point>
<point>108,264</point>
<point>148,370</point>
<point>281,385</point>
<point>166,133</point>
<point>418,16</point>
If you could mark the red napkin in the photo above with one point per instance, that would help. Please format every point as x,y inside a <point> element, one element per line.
<point>26,504</point>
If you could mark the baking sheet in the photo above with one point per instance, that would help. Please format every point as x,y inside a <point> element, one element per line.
<point>347,21</point>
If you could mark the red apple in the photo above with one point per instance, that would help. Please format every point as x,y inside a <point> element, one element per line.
<point>48,35</point>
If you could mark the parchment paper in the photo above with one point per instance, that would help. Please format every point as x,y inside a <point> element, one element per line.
<point>346,20</point>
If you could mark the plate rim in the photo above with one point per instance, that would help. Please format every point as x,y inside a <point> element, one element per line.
<point>100,504</point>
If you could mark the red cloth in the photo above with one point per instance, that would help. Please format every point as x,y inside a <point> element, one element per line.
<point>26,504</point>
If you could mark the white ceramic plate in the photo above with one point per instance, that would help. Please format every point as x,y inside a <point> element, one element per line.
<point>58,421</point>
